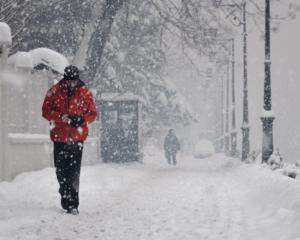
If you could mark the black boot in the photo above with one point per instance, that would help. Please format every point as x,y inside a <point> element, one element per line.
<point>73,211</point>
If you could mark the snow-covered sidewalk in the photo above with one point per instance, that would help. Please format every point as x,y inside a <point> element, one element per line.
<point>215,198</point>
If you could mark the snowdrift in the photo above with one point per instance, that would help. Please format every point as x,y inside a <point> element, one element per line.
<point>273,202</point>
<point>216,198</point>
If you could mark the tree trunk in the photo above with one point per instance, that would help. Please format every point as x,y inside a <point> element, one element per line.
<point>100,35</point>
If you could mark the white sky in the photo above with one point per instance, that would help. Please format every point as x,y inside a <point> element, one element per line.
<point>285,83</point>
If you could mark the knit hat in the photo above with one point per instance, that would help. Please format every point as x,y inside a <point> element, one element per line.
<point>71,73</point>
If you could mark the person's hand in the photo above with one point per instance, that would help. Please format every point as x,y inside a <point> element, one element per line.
<point>76,121</point>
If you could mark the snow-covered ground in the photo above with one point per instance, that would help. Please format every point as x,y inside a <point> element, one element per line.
<point>214,198</point>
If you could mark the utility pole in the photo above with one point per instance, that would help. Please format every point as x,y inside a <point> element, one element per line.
<point>245,125</point>
<point>268,118</point>
<point>233,117</point>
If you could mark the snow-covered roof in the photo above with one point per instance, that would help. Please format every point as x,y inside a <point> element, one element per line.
<point>40,58</point>
<point>21,60</point>
<point>50,58</point>
<point>5,34</point>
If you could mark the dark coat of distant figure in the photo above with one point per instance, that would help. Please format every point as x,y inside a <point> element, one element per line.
<point>171,146</point>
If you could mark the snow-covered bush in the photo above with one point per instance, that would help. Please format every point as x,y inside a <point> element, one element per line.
<point>275,161</point>
<point>290,170</point>
<point>254,157</point>
<point>203,149</point>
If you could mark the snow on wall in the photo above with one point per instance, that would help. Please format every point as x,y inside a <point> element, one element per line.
<point>5,34</point>
<point>35,57</point>
<point>50,58</point>
<point>11,78</point>
<point>21,60</point>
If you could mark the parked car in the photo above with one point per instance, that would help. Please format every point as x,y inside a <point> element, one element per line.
<point>203,149</point>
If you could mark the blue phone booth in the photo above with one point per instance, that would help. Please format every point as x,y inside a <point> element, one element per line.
<point>120,128</point>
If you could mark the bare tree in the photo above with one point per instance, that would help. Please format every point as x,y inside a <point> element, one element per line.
<point>102,28</point>
<point>10,13</point>
<point>7,10</point>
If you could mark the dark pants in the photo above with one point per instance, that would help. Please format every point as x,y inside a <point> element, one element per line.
<point>171,157</point>
<point>67,161</point>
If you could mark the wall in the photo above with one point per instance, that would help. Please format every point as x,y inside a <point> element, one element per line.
<point>25,144</point>
<point>32,152</point>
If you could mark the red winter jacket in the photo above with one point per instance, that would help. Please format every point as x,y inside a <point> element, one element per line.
<point>61,100</point>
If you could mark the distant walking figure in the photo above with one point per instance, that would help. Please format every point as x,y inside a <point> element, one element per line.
<point>171,146</point>
<point>70,107</point>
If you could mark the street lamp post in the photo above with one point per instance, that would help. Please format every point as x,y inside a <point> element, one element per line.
<point>222,133</point>
<point>245,126</point>
<point>231,137</point>
<point>233,116</point>
<point>222,113</point>
<point>227,134</point>
<point>267,118</point>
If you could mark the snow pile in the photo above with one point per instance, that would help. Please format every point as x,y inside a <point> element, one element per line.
<point>273,203</point>
<point>275,161</point>
<point>220,199</point>
<point>30,207</point>
<point>268,114</point>
<point>21,60</point>
<point>277,164</point>
<point>290,170</point>
<point>50,58</point>
<point>203,149</point>
<point>40,57</point>
<point>5,34</point>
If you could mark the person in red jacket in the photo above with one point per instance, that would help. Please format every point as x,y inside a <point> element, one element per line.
<point>70,107</point>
